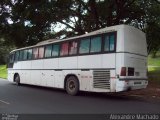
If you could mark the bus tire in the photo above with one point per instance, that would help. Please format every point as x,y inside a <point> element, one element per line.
<point>17,79</point>
<point>72,85</point>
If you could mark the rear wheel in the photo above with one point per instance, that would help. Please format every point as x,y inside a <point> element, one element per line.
<point>72,85</point>
<point>17,79</point>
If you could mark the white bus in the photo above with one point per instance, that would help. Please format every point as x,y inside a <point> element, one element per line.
<point>111,59</point>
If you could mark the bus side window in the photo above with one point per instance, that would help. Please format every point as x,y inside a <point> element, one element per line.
<point>55,50</point>
<point>112,42</point>
<point>64,49</point>
<point>109,42</point>
<point>48,51</point>
<point>35,53</point>
<point>21,55</point>
<point>11,58</point>
<point>29,54</point>
<point>84,46</point>
<point>73,47</point>
<point>16,56</point>
<point>41,52</point>
<point>25,55</point>
<point>96,44</point>
<point>106,43</point>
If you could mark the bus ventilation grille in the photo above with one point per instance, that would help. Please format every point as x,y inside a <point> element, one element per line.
<point>101,79</point>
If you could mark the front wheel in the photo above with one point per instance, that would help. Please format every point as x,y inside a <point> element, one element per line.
<point>17,79</point>
<point>72,85</point>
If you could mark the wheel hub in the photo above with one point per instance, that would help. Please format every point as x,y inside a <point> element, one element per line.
<point>71,85</point>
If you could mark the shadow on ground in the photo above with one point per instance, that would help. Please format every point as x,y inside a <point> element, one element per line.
<point>121,96</point>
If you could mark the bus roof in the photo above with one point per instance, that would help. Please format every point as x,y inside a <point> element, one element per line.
<point>100,31</point>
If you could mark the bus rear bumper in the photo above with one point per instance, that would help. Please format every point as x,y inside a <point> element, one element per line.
<point>126,85</point>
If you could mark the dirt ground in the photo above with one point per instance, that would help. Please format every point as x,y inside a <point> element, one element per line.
<point>152,92</point>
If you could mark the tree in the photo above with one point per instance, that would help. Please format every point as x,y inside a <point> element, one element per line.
<point>4,51</point>
<point>153,38</point>
<point>32,20</point>
<point>152,25</point>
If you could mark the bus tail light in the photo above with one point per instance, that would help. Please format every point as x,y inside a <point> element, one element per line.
<point>123,71</point>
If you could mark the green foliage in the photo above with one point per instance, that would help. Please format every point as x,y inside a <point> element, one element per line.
<point>153,74</point>
<point>4,51</point>
<point>154,61</point>
<point>3,71</point>
<point>153,26</point>
<point>32,20</point>
<point>154,68</point>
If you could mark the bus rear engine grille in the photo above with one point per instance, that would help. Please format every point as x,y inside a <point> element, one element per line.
<point>101,79</point>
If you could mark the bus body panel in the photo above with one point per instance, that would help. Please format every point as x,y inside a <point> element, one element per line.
<point>48,78</point>
<point>10,75</point>
<point>92,61</point>
<point>59,79</point>
<point>130,85</point>
<point>131,53</point>
<point>68,63</point>
<point>120,39</point>
<point>139,63</point>
<point>51,63</point>
<point>134,41</point>
<point>109,61</point>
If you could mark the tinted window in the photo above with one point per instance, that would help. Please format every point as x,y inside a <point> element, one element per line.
<point>35,53</point>
<point>48,51</point>
<point>25,55</point>
<point>21,55</point>
<point>112,40</point>
<point>109,43</point>
<point>55,50</point>
<point>73,47</point>
<point>29,52</point>
<point>11,58</point>
<point>16,55</point>
<point>84,46</point>
<point>41,52</point>
<point>64,49</point>
<point>106,43</point>
<point>96,44</point>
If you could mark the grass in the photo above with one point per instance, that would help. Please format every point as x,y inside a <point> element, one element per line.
<point>154,61</point>
<point>155,79</point>
<point>154,69</point>
<point>3,71</point>
<point>154,75</point>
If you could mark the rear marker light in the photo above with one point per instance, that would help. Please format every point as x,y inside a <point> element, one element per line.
<point>130,71</point>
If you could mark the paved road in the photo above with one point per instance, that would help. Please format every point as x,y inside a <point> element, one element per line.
<point>32,99</point>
